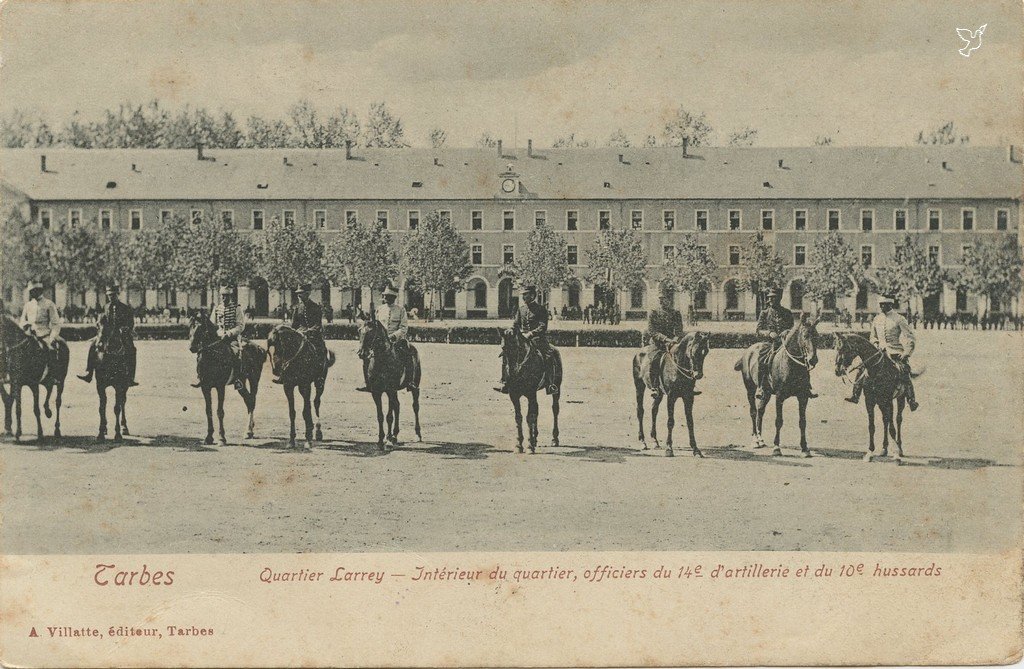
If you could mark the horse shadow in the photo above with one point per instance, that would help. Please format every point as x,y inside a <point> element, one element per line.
<point>90,445</point>
<point>447,450</point>
<point>737,453</point>
<point>914,460</point>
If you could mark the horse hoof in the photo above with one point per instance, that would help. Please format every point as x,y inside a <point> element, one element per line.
<point>868,457</point>
<point>533,450</point>
<point>57,434</point>
<point>697,453</point>
<point>308,446</point>
<point>898,460</point>
<point>776,451</point>
<point>100,438</point>
<point>222,441</point>
<point>760,445</point>
<point>118,438</point>
<point>319,435</point>
<point>806,453</point>
<point>669,453</point>
<point>125,431</point>
<point>555,444</point>
<point>519,448</point>
<point>419,437</point>
<point>208,441</point>
<point>250,436</point>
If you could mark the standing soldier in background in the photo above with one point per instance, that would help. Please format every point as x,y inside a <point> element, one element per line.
<point>773,322</point>
<point>117,316</point>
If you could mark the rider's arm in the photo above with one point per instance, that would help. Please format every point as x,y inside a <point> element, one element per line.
<point>403,324</point>
<point>55,322</point>
<point>874,337</point>
<point>23,321</point>
<point>542,322</point>
<point>763,328</point>
<point>907,337</point>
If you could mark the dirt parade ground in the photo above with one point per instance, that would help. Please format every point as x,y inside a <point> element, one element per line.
<point>464,488</point>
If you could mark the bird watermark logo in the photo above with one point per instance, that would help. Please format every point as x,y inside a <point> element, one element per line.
<point>972,39</point>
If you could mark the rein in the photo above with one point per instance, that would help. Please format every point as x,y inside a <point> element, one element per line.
<point>690,372</point>
<point>798,359</point>
<point>302,346</point>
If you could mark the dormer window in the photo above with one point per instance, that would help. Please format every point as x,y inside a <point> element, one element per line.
<point>417,184</point>
<point>607,184</point>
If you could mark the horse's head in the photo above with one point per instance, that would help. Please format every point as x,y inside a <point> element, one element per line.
<point>845,353</point>
<point>199,330</point>
<point>698,344</point>
<point>805,332</point>
<point>509,343</point>
<point>372,337</point>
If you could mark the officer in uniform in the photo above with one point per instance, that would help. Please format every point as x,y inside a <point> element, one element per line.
<point>39,316</point>
<point>774,321</point>
<point>531,322</point>
<point>230,320</point>
<point>116,317</point>
<point>664,325</point>
<point>395,321</point>
<point>891,333</point>
<point>308,318</point>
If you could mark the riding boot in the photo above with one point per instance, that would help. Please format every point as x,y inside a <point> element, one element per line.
<point>854,398</point>
<point>911,396</point>
<point>366,377</point>
<point>810,391</point>
<point>90,364</point>
<point>132,359</point>
<point>410,372</point>
<point>503,388</point>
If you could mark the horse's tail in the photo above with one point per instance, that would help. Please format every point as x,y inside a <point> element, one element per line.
<point>330,358</point>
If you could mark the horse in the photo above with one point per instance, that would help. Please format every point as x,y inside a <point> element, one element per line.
<point>29,362</point>
<point>214,365</point>
<point>386,375</point>
<point>298,364</point>
<point>112,371</point>
<point>883,385</point>
<point>790,376</point>
<point>527,372</point>
<point>678,371</point>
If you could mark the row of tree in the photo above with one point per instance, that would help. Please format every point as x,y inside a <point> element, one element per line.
<point>153,126</point>
<point>435,258</point>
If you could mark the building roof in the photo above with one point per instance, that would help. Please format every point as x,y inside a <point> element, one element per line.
<point>916,172</point>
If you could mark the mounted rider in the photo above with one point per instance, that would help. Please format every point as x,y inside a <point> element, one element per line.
<point>531,323</point>
<point>664,325</point>
<point>396,323</point>
<point>117,317</point>
<point>40,317</point>
<point>308,318</point>
<point>229,317</point>
<point>772,324</point>
<point>892,334</point>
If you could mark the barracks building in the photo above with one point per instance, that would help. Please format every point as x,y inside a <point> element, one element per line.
<point>948,196</point>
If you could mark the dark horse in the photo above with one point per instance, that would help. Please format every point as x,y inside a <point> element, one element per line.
<point>386,375</point>
<point>527,375</point>
<point>30,363</point>
<point>883,384</point>
<point>298,363</point>
<point>790,376</point>
<point>675,374</point>
<point>214,365</point>
<point>112,371</point>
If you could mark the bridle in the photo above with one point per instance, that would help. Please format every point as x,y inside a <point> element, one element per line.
<point>302,345</point>
<point>804,358</point>
<point>689,372</point>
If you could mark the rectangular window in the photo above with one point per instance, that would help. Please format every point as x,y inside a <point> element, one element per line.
<point>934,219</point>
<point>668,219</point>
<point>799,254</point>
<point>508,220</point>
<point>196,216</point>
<point>867,220</point>
<point>227,219</point>
<point>257,219</point>
<point>540,218</point>
<point>478,254</point>
<point>320,218</point>
<point>702,219</point>
<point>604,220</point>
<point>45,217</point>
<point>767,219</point>
<point>166,216</point>
<point>899,218</point>
<point>967,218</point>
<point>800,219</point>
<point>508,254</point>
<point>734,255</point>
<point>382,219</point>
<point>1002,219</point>
<point>636,217</point>
<point>75,217</point>
<point>572,220</point>
<point>933,254</point>
<point>866,255</point>
<point>476,220</point>
<point>572,255</point>
<point>106,218</point>
<point>445,216</point>
<point>289,218</point>
<point>833,219</point>
<point>414,219</point>
<point>351,218</point>
<point>668,251</point>
<point>135,219</point>
<point>735,219</point>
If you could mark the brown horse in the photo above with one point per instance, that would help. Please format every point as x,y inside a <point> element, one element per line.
<point>30,362</point>
<point>112,371</point>
<point>386,376</point>
<point>790,376</point>
<point>215,364</point>
<point>527,375</point>
<point>299,364</point>
<point>883,384</point>
<point>674,373</point>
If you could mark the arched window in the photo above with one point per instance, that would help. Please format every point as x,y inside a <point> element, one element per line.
<point>796,296</point>
<point>480,295</point>
<point>732,296</point>
<point>636,298</point>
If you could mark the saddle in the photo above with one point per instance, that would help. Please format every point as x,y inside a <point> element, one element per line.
<point>551,379</point>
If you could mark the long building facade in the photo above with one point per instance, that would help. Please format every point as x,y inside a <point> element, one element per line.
<point>946,196</point>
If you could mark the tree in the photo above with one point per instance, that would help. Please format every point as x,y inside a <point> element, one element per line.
<point>912,273</point>
<point>82,255</point>
<point>438,137</point>
<point>212,255</point>
<point>288,256</point>
<point>264,134</point>
<point>152,258</point>
<point>362,255</point>
<point>341,127</point>
<point>836,269</point>
<point>487,141</point>
<point>19,130</point>
<point>650,142</point>
<point>617,260</point>
<point>763,268</point>
<point>570,142</point>
<point>745,137</point>
<point>543,263</point>
<point>992,267</point>
<point>691,268</point>
<point>944,134</point>
<point>686,129</point>
<point>24,251</point>
<point>383,129</point>
<point>619,139</point>
<point>435,257</point>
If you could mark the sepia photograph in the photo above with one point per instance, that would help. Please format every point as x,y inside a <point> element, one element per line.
<point>737,280</point>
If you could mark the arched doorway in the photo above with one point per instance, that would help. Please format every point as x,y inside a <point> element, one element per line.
<point>796,295</point>
<point>260,300</point>
<point>863,293</point>
<point>413,298</point>
<point>476,296</point>
<point>604,296</point>
<point>732,296</point>
<point>325,293</point>
<point>507,301</point>
<point>931,305</point>
<point>572,294</point>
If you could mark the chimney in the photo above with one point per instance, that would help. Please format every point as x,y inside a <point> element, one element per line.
<point>529,148</point>
<point>42,163</point>
<point>348,149</point>
<point>1013,154</point>
<point>135,168</point>
<point>436,162</point>
<point>620,158</point>
<point>199,151</point>
<point>284,160</point>
<point>945,165</point>
<point>780,163</point>
<point>686,144</point>
<point>500,153</point>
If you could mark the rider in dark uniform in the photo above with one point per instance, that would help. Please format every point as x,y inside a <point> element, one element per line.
<point>117,317</point>
<point>531,322</point>
<point>773,322</point>
<point>308,318</point>
<point>664,325</point>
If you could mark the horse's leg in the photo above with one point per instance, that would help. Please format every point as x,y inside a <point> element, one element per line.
<point>319,387</point>
<point>8,400</point>
<point>221,391</point>
<point>124,413</point>
<point>102,392</point>
<point>250,405</point>
<point>755,436</point>
<point>16,391</point>
<point>119,394</point>
<point>761,406</point>
<point>886,409</point>
<point>289,391</point>
<point>778,425</point>
<point>46,401</point>
<point>554,417</point>
<point>306,390</point>
<point>869,405</point>
<point>688,407</point>
<point>900,404</point>
<point>56,407</point>
<point>640,387</point>
<point>517,403</point>
<point>802,399</point>
<point>655,405</point>
<point>380,420</point>
<point>670,408</point>
<point>416,412</point>
<point>207,391</point>
<point>394,408</point>
<point>36,412</point>
<point>532,413</point>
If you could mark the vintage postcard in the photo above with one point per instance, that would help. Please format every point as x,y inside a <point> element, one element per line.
<point>473,333</point>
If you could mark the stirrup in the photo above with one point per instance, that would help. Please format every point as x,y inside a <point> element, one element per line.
<point>87,377</point>
<point>277,379</point>
<point>364,389</point>
<point>913,405</point>
<point>501,389</point>
<point>197,384</point>
<point>852,400</point>
<point>811,394</point>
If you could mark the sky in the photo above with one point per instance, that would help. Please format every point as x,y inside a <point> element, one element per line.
<point>864,73</point>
